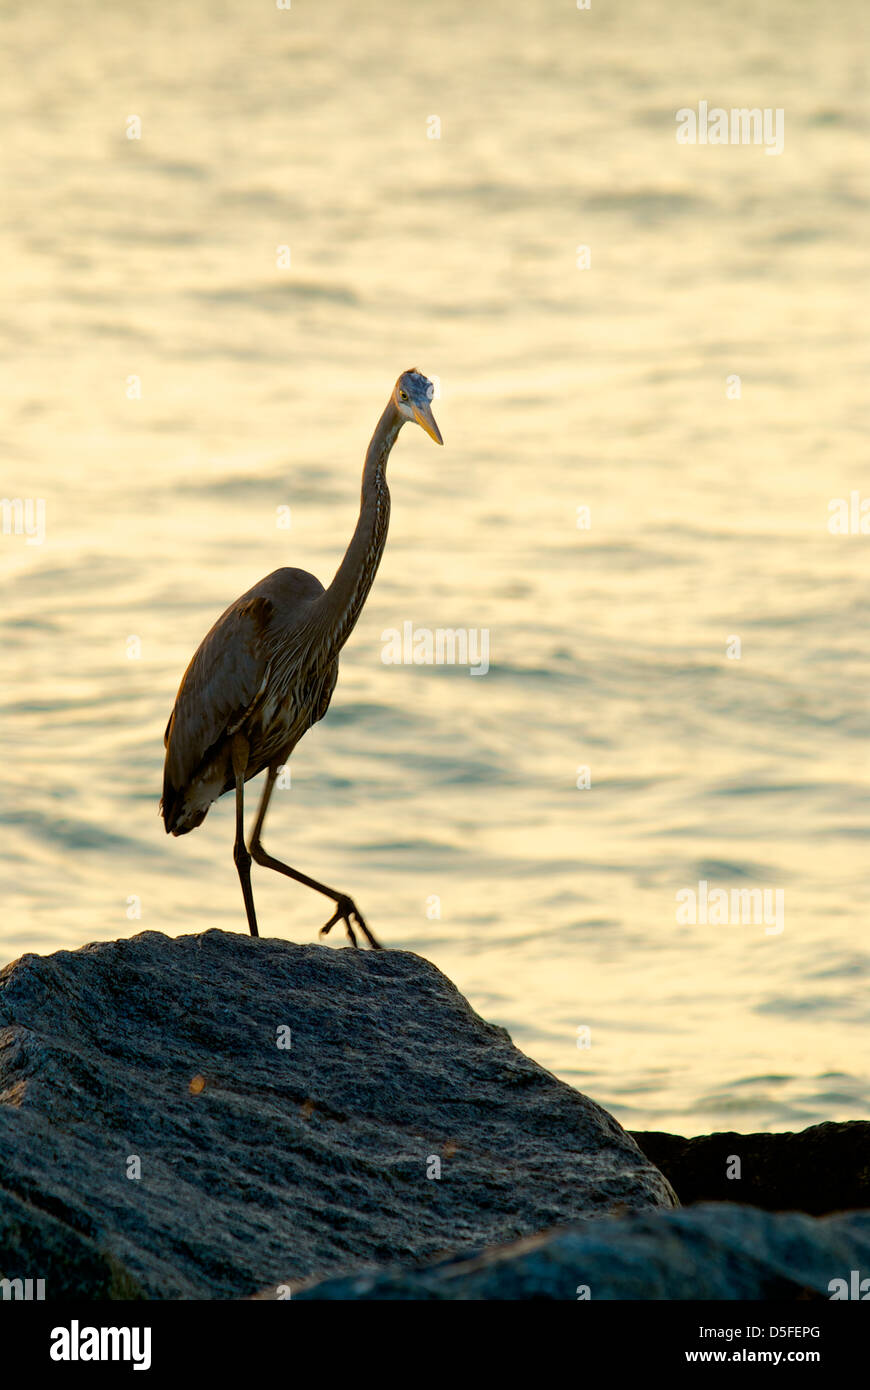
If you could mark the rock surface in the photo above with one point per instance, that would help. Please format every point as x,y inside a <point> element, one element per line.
<point>261,1163</point>
<point>822,1169</point>
<point>703,1252</point>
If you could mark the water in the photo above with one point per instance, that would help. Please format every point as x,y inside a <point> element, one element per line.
<point>561,388</point>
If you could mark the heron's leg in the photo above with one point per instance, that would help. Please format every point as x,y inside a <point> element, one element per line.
<point>346,909</point>
<point>240,750</point>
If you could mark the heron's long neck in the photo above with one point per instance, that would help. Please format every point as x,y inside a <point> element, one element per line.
<point>342,603</point>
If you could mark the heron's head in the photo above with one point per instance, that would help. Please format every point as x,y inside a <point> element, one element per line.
<point>413,397</point>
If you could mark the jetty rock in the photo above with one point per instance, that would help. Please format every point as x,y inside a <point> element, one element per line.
<point>208,1116</point>
<point>819,1170</point>
<point>712,1252</point>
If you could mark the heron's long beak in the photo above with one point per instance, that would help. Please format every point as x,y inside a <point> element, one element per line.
<point>426,420</point>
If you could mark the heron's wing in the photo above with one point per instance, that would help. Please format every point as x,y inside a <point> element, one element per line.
<point>227,675</point>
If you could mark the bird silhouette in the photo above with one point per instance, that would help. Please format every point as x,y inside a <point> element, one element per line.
<point>267,669</point>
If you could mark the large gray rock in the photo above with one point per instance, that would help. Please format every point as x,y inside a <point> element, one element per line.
<point>704,1252</point>
<point>261,1164</point>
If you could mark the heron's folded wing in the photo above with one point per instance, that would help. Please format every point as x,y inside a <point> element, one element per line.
<point>221,685</point>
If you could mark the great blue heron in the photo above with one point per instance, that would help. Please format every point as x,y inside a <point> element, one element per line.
<point>267,669</point>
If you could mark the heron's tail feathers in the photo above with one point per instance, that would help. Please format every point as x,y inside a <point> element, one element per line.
<point>177,818</point>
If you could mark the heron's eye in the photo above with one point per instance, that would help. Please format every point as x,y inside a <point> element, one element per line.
<point>403,395</point>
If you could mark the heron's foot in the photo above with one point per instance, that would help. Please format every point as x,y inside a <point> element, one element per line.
<point>347,911</point>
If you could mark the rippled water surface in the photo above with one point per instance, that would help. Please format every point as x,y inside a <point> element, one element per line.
<point>561,388</point>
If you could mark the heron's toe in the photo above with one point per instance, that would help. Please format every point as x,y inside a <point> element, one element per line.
<point>345,908</point>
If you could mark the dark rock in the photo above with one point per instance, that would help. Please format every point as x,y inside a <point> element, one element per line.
<point>260,1164</point>
<point>33,1243</point>
<point>705,1252</point>
<point>820,1170</point>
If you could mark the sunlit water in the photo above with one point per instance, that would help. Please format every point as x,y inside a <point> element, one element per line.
<point>561,388</point>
